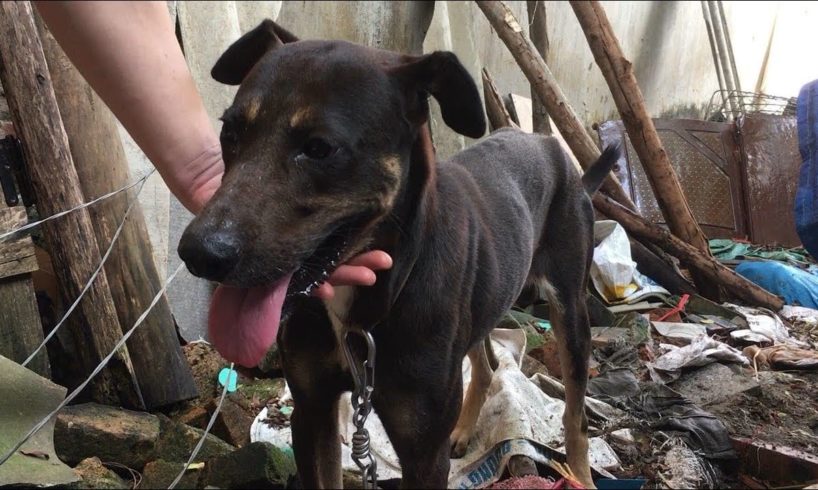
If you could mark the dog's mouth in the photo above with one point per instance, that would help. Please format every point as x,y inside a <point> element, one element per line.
<point>243,322</point>
<point>317,267</point>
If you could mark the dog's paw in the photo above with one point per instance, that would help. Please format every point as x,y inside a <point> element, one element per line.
<point>460,442</point>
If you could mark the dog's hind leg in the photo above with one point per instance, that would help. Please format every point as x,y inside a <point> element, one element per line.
<point>564,260</point>
<point>475,398</point>
<point>310,359</point>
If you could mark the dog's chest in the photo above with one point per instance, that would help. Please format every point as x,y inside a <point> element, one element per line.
<point>338,309</point>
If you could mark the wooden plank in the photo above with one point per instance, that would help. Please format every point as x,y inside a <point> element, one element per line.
<point>161,370</point>
<point>74,250</point>
<point>21,330</point>
<point>16,253</point>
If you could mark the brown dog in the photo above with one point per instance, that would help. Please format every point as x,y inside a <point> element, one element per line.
<point>327,154</point>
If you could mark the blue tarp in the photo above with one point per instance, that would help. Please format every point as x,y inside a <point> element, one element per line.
<point>806,198</point>
<point>796,286</point>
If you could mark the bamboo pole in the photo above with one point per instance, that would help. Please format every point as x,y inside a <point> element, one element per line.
<point>618,72</point>
<point>94,325</point>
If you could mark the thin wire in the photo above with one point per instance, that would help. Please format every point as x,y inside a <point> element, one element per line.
<point>142,179</point>
<point>90,279</point>
<point>96,371</point>
<point>206,432</point>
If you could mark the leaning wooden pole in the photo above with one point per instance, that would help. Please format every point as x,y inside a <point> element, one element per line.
<point>27,83</point>
<point>618,72</point>
<point>707,266</point>
<point>161,370</point>
<point>538,30</point>
<point>548,90</point>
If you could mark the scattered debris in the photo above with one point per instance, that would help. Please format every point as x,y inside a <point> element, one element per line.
<point>715,383</point>
<point>782,357</point>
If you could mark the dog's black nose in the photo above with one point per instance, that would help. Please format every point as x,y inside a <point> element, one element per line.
<point>209,255</point>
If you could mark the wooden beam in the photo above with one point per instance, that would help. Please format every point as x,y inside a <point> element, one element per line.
<point>710,268</point>
<point>27,83</point>
<point>618,72</point>
<point>161,370</point>
<point>548,90</point>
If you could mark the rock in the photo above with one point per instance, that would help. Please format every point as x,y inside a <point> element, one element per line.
<point>195,416</point>
<point>532,366</point>
<point>126,437</point>
<point>95,475</point>
<point>111,434</point>
<point>176,442</point>
<point>257,465</point>
<point>161,473</point>
<point>232,423</point>
<point>714,383</point>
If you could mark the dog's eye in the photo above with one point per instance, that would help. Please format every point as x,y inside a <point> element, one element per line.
<point>317,149</point>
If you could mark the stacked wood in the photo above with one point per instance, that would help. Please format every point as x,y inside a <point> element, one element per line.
<point>160,367</point>
<point>532,65</point>
<point>74,249</point>
<point>20,328</point>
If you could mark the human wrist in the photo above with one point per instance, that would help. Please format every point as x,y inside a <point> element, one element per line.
<point>193,179</point>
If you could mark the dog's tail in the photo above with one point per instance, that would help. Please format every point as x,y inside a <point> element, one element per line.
<point>596,173</point>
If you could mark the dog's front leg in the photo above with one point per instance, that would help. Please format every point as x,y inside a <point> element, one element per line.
<point>316,442</point>
<point>308,353</point>
<point>418,415</point>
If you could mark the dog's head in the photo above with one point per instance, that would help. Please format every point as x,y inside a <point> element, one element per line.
<point>316,148</point>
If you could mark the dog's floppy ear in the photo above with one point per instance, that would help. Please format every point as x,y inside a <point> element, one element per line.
<point>443,76</point>
<point>242,55</point>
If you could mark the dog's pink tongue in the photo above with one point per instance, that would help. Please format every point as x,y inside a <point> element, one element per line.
<point>243,322</point>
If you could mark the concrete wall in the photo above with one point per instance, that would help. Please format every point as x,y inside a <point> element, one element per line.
<point>666,41</point>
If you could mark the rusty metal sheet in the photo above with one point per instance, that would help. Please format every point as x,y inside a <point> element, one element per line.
<point>703,155</point>
<point>769,147</point>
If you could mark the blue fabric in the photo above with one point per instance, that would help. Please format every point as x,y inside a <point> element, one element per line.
<point>796,286</point>
<point>806,197</point>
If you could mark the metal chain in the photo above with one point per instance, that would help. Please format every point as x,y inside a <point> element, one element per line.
<point>363,375</point>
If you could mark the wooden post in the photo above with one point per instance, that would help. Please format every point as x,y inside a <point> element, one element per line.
<point>710,268</point>
<point>20,328</point>
<point>71,241</point>
<point>618,72</point>
<point>538,31</point>
<point>548,90</point>
<point>161,370</point>
<point>496,111</point>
